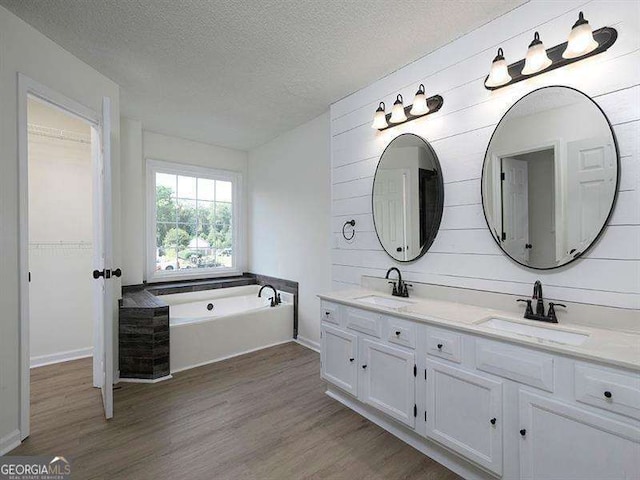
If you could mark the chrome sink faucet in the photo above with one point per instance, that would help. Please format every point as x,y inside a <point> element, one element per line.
<point>400,288</point>
<point>539,313</point>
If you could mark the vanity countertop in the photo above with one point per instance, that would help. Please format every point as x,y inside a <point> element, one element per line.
<point>606,346</point>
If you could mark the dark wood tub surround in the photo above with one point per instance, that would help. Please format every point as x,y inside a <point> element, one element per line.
<point>144,320</point>
<point>143,336</point>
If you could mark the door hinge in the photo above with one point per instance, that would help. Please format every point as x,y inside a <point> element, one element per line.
<point>502,176</point>
<point>425,415</point>
<point>504,236</point>
<point>415,410</point>
<point>415,370</point>
<point>29,277</point>
<point>425,373</point>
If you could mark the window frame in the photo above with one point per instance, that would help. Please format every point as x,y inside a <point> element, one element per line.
<point>160,166</point>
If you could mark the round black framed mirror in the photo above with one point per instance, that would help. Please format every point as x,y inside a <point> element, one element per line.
<point>407,197</point>
<point>550,177</point>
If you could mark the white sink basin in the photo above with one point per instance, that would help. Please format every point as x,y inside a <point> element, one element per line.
<point>384,302</point>
<point>556,335</point>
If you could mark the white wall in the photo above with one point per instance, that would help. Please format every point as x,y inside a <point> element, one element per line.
<point>24,50</point>
<point>139,145</point>
<point>60,236</point>
<point>289,204</point>
<point>133,200</point>
<point>464,254</point>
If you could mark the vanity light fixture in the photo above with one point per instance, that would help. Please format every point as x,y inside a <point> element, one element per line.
<point>397,112</point>
<point>419,106</point>
<point>499,74</point>
<point>537,59</point>
<point>400,114</point>
<point>581,39</point>
<point>380,118</point>
<point>582,43</point>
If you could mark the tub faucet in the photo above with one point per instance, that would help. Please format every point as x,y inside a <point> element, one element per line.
<point>400,289</point>
<point>275,300</point>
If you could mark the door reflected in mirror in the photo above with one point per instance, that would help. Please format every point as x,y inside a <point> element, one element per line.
<point>550,177</point>
<point>408,196</point>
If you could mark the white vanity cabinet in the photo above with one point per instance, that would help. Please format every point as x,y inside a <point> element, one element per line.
<point>561,441</point>
<point>464,412</point>
<point>339,351</point>
<point>485,408</point>
<point>377,372</point>
<point>388,381</point>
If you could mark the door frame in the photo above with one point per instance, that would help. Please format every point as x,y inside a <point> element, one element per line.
<point>28,87</point>
<point>559,160</point>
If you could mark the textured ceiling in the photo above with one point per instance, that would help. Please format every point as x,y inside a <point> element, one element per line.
<point>239,73</point>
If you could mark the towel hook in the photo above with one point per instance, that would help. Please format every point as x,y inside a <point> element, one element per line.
<point>353,232</point>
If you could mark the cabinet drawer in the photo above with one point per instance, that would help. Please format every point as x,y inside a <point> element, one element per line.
<point>616,392</point>
<point>330,312</point>
<point>515,363</point>
<point>364,322</point>
<point>401,332</point>
<point>444,344</point>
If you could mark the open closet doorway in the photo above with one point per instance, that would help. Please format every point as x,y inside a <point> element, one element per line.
<point>66,289</point>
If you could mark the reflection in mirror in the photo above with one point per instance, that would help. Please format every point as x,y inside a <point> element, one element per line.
<point>550,177</point>
<point>407,197</point>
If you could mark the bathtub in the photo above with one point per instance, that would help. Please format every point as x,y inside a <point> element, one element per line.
<point>238,323</point>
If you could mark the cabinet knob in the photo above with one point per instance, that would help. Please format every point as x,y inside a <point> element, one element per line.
<point>398,332</point>
<point>493,421</point>
<point>607,394</point>
<point>364,366</point>
<point>351,359</point>
<point>523,432</point>
<point>327,313</point>
<point>439,346</point>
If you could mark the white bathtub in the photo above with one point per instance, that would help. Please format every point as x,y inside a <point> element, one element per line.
<point>239,322</point>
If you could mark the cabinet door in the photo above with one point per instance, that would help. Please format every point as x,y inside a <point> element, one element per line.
<point>387,380</point>
<point>338,362</point>
<point>558,440</point>
<point>464,412</point>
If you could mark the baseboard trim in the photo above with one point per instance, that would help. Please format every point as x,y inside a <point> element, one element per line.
<point>305,342</point>
<point>9,442</point>
<point>50,359</point>
<point>227,357</point>
<point>145,380</point>
<point>432,450</point>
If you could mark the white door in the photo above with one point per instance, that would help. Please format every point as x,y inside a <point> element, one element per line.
<point>103,261</point>
<point>515,208</point>
<point>464,412</point>
<point>561,441</point>
<point>388,380</point>
<point>390,208</point>
<point>339,359</point>
<point>591,182</point>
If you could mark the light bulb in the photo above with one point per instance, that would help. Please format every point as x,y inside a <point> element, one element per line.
<point>499,74</point>
<point>380,118</point>
<point>419,106</point>
<point>581,39</point>
<point>397,112</point>
<point>536,59</point>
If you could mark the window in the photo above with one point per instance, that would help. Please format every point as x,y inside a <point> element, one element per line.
<point>193,214</point>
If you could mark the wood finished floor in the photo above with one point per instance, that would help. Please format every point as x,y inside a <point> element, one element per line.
<point>260,416</point>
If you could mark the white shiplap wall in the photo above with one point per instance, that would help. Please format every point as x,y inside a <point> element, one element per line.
<point>464,254</point>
